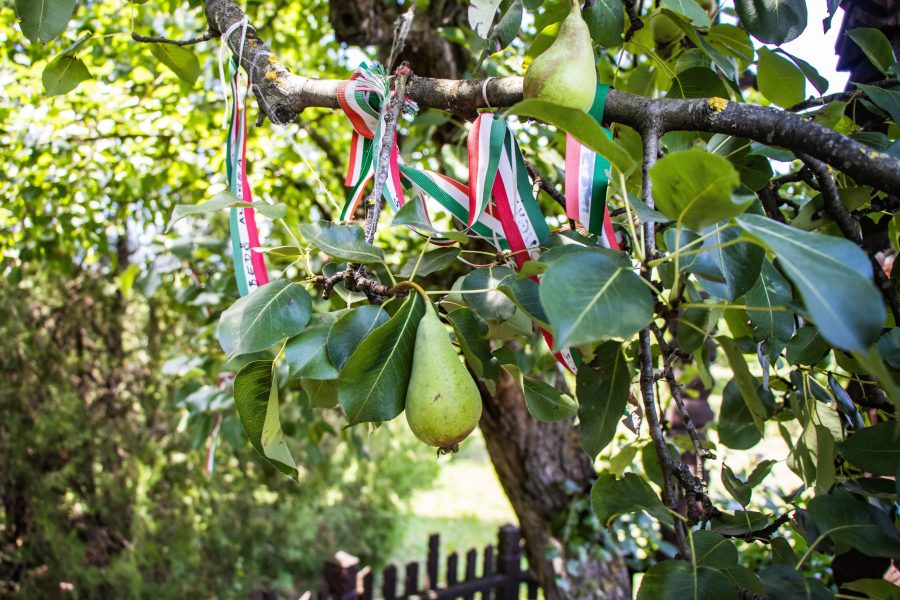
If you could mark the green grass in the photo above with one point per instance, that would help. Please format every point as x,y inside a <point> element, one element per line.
<point>465,506</point>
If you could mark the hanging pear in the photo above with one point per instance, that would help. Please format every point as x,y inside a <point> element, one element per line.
<point>565,73</point>
<point>443,404</point>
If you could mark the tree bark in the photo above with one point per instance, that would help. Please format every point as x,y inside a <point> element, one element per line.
<point>535,463</point>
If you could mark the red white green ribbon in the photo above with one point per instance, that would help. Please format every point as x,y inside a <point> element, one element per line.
<point>587,179</point>
<point>502,172</point>
<point>249,266</point>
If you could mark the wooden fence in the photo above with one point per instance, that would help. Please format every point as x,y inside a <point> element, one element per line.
<point>502,576</point>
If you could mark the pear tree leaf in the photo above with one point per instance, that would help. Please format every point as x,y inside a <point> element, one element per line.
<point>727,270</point>
<point>472,334</point>
<point>876,46</point>
<point>886,100</point>
<point>780,80</point>
<point>481,16</point>
<point>267,315</point>
<point>344,242</point>
<point>859,524</point>
<point>63,74</point>
<point>612,497</point>
<point>602,391</point>
<point>43,20</point>
<point>429,262</point>
<point>875,449</point>
<point>545,402</point>
<point>810,72</point>
<point>491,305</point>
<point>590,297</point>
<point>695,188</point>
<point>713,550</point>
<point>773,21</point>
<point>180,61</point>
<point>581,126</point>
<point>736,487</point>
<point>690,9</point>
<point>228,200</point>
<point>833,276</point>
<point>679,580</point>
<point>372,383</point>
<point>745,381</point>
<point>350,329</point>
<point>256,400</point>
<point>770,294</point>
<point>305,354</point>
<point>606,22</point>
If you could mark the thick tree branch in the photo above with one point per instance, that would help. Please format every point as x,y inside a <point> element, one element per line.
<point>283,96</point>
<point>163,40</point>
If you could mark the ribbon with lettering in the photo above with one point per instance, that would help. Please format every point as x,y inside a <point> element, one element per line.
<point>249,266</point>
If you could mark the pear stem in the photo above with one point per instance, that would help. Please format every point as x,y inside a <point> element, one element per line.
<point>415,286</point>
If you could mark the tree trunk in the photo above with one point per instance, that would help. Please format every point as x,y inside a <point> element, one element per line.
<point>536,463</point>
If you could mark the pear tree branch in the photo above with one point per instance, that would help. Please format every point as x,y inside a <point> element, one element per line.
<point>284,96</point>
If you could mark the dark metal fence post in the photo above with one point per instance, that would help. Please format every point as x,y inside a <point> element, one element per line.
<point>340,576</point>
<point>509,549</point>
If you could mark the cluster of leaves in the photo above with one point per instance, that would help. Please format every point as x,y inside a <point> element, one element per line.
<point>771,314</point>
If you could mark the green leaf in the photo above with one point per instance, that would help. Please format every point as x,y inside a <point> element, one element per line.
<point>745,381</point>
<point>507,28</point>
<point>736,487</point>
<point>858,524</point>
<point>728,270</point>
<point>807,347</point>
<point>784,583</point>
<point>809,71</point>
<point>256,400</point>
<point>372,383</point>
<point>739,522</point>
<point>226,200</point>
<point>429,262</point>
<point>606,22</point>
<point>874,449</point>
<point>305,354</point>
<point>602,391</point>
<point>877,589</point>
<point>322,393</point>
<point>267,315</point>
<point>695,188</point>
<point>697,82</point>
<point>350,329</point>
<point>886,100</point>
<point>43,20</point>
<point>63,75</point>
<point>481,15</point>
<point>690,9</point>
<point>612,497</point>
<point>833,276</point>
<point>679,580</point>
<point>780,80</point>
<point>489,305</point>
<point>770,292</point>
<point>773,21</point>
<point>590,297</point>
<point>581,126</point>
<point>472,334</point>
<point>180,60</point>
<point>344,242</point>
<point>713,550</point>
<point>876,46</point>
<point>760,472</point>
<point>545,402</point>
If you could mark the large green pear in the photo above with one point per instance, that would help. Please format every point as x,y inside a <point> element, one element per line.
<point>443,404</point>
<point>564,73</point>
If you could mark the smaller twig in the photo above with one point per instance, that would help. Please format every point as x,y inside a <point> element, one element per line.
<point>541,182</point>
<point>840,96</point>
<point>162,40</point>
<point>837,211</point>
<point>636,23</point>
<point>391,117</point>
<point>764,534</point>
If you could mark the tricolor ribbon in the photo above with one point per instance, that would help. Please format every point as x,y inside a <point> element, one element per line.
<point>502,174</point>
<point>249,266</point>
<point>362,99</point>
<point>587,178</point>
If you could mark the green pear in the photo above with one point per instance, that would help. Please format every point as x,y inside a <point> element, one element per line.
<point>443,404</point>
<point>565,73</point>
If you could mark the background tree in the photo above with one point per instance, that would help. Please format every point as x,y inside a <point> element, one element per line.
<point>734,255</point>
